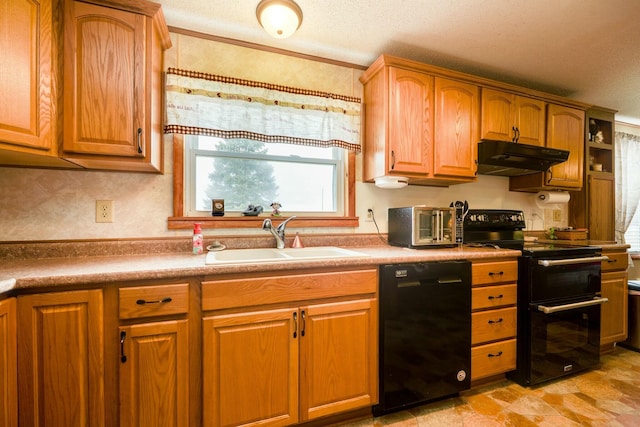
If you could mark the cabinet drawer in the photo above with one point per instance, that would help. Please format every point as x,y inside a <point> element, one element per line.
<point>493,325</point>
<point>251,291</point>
<point>149,301</point>
<point>617,261</point>
<point>493,359</point>
<point>494,272</point>
<point>493,296</point>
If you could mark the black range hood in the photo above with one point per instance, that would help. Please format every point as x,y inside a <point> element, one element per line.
<point>504,158</point>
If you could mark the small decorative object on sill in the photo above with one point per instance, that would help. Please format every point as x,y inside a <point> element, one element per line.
<point>252,210</point>
<point>217,207</point>
<point>297,243</point>
<point>276,208</point>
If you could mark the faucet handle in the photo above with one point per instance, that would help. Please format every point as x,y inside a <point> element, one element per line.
<point>283,224</point>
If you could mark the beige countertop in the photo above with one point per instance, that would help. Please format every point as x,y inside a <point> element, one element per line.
<point>24,274</point>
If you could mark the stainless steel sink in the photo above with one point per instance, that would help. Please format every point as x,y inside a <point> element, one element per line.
<point>261,255</point>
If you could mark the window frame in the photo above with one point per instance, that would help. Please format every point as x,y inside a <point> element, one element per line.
<point>180,221</point>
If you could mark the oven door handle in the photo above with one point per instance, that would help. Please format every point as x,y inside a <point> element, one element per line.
<point>565,307</point>
<point>569,261</point>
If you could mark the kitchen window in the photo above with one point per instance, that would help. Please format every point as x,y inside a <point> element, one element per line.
<point>305,180</point>
<point>255,143</point>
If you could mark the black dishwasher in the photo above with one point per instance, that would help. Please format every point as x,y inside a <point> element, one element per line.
<point>425,333</point>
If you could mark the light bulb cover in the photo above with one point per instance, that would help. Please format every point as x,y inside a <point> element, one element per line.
<point>279,18</point>
<point>391,182</point>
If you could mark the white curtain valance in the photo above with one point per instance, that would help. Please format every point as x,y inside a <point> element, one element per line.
<point>206,104</point>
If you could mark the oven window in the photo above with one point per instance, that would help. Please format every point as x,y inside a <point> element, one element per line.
<point>567,281</point>
<point>565,335</point>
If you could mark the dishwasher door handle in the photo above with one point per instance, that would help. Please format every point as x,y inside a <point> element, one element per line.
<point>446,281</point>
<point>569,261</point>
<point>566,307</point>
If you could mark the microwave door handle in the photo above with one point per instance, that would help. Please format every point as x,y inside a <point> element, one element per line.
<point>435,225</point>
<point>565,307</point>
<point>569,261</point>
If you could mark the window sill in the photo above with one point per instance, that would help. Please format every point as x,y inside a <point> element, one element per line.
<point>176,223</point>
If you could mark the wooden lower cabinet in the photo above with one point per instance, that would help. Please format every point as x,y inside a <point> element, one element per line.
<point>493,318</point>
<point>154,377</point>
<point>284,366</point>
<point>8,364</point>
<point>614,314</point>
<point>60,359</point>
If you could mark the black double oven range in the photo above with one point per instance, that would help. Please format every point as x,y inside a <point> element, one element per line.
<point>559,298</point>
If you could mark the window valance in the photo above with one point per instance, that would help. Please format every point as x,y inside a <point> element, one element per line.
<point>206,104</point>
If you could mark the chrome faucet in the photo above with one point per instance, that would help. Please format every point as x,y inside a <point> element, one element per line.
<point>278,233</point>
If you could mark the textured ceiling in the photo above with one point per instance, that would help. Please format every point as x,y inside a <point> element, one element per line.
<point>588,50</point>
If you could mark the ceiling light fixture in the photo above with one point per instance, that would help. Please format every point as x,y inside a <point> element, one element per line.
<point>279,18</point>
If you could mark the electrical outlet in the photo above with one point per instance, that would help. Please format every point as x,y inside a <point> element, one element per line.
<point>557,215</point>
<point>104,210</point>
<point>369,215</point>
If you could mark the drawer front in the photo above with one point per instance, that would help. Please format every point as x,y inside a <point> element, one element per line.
<point>150,301</point>
<point>251,291</point>
<point>493,325</point>
<point>493,359</point>
<point>617,261</point>
<point>493,296</point>
<point>494,272</point>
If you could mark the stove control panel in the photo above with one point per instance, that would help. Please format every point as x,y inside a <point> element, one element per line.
<point>488,219</point>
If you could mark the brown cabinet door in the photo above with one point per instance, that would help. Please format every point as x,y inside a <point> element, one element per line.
<point>530,121</point>
<point>613,327</point>
<point>26,75</point>
<point>8,364</point>
<point>154,385</point>
<point>250,368</point>
<point>565,131</point>
<point>456,132</point>
<point>60,359</point>
<point>410,122</point>
<point>338,357</point>
<point>104,81</point>
<point>601,207</point>
<point>498,115</point>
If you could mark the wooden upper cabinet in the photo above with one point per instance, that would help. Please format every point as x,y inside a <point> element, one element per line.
<point>510,117</point>
<point>456,129</point>
<point>565,131</point>
<point>26,83</point>
<point>410,125</point>
<point>398,123</point>
<point>112,92</point>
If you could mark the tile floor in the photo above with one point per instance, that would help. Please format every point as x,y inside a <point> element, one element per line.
<point>608,396</point>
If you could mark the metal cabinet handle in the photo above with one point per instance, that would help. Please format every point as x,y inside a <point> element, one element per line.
<point>304,323</point>
<point>139,140</point>
<point>123,358</point>
<point>570,261</point>
<point>573,306</point>
<point>498,354</point>
<point>498,297</point>
<point>499,273</point>
<point>393,160</point>
<point>160,301</point>
<point>295,324</point>
<point>515,134</point>
<point>495,321</point>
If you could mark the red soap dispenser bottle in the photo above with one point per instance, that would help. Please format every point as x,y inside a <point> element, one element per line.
<point>198,240</point>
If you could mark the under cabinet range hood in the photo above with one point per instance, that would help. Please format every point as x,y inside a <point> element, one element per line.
<point>504,158</point>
